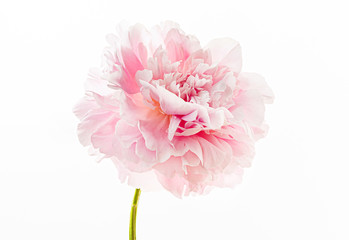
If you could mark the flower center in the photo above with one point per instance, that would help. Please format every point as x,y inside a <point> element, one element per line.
<point>191,88</point>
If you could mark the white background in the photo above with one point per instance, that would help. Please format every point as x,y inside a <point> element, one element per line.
<point>297,187</point>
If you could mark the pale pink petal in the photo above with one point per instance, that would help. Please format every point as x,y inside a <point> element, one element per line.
<point>156,139</point>
<point>170,175</point>
<point>85,105</point>
<point>178,46</point>
<point>255,81</point>
<point>91,123</point>
<point>122,79</point>
<point>131,62</point>
<point>132,108</point>
<point>226,52</point>
<point>173,105</point>
<point>213,157</point>
<point>95,83</point>
<point>104,139</point>
<point>174,122</point>
<point>127,133</point>
<point>190,159</point>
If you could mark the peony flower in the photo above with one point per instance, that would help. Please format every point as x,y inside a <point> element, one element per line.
<point>172,113</point>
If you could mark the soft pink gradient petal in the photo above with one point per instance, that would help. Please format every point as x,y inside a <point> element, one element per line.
<point>226,52</point>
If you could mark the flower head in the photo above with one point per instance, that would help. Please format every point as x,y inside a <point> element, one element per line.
<point>169,111</point>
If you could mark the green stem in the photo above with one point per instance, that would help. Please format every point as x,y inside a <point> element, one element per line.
<point>134,214</point>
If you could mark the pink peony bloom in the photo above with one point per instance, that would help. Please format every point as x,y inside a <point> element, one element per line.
<point>169,111</point>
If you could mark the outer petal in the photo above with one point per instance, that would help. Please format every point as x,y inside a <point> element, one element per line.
<point>97,84</point>
<point>213,156</point>
<point>154,131</point>
<point>127,134</point>
<point>250,102</point>
<point>104,139</point>
<point>139,39</point>
<point>85,105</point>
<point>145,180</point>
<point>91,123</point>
<point>95,112</point>
<point>171,176</point>
<point>179,46</point>
<point>249,81</point>
<point>226,52</point>
<point>131,62</point>
<point>121,79</point>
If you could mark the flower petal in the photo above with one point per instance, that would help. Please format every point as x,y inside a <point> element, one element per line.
<point>226,52</point>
